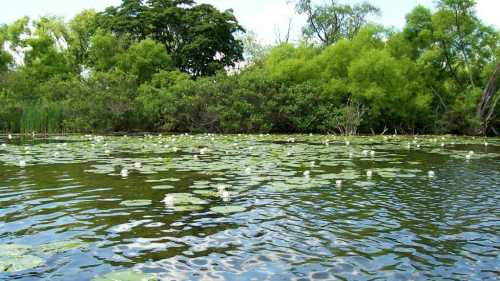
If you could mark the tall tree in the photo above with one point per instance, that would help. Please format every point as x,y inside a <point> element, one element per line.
<point>333,21</point>
<point>5,57</point>
<point>200,38</point>
<point>82,28</point>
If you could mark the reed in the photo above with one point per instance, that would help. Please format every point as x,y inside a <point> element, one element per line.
<point>46,119</point>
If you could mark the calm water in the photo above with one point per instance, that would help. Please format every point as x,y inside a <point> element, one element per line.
<point>281,224</point>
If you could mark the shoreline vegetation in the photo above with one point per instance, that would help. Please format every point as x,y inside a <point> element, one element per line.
<point>179,66</point>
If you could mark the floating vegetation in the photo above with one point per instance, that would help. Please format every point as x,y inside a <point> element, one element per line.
<point>228,209</point>
<point>186,199</point>
<point>163,187</point>
<point>136,203</point>
<point>14,249</point>
<point>14,258</point>
<point>126,275</point>
<point>207,193</point>
<point>12,263</point>
<point>63,246</point>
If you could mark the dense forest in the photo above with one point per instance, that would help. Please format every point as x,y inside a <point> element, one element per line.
<point>179,66</point>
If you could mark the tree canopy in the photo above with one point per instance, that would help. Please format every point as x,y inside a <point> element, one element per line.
<point>165,65</point>
<point>333,21</point>
<point>200,38</point>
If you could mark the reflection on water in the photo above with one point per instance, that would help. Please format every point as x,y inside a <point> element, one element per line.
<point>397,225</point>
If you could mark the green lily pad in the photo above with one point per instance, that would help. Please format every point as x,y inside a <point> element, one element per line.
<point>126,275</point>
<point>15,263</point>
<point>136,203</point>
<point>228,209</point>
<point>187,199</point>
<point>163,187</point>
<point>14,249</point>
<point>187,208</point>
<point>364,184</point>
<point>63,246</point>
<point>207,193</point>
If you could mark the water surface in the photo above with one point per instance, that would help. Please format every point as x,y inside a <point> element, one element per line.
<point>286,217</point>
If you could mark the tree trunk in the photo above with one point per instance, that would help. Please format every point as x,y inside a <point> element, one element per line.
<point>486,107</point>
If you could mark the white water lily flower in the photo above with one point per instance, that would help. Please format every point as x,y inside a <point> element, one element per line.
<point>225,196</point>
<point>307,174</point>
<point>168,200</point>
<point>221,188</point>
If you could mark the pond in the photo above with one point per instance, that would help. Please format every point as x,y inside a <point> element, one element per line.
<point>250,207</point>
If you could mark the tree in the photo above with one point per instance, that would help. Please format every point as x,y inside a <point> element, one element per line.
<point>333,21</point>
<point>5,57</point>
<point>145,58</point>
<point>46,56</point>
<point>255,51</point>
<point>456,56</point>
<point>82,28</point>
<point>105,50</point>
<point>200,38</point>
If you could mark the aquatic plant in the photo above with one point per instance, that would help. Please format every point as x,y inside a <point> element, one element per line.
<point>124,173</point>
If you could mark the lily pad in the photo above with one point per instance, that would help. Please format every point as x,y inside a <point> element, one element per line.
<point>228,209</point>
<point>126,275</point>
<point>136,203</point>
<point>13,258</point>
<point>187,199</point>
<point>63,246</point>
<point>207,193</point>
<point>14,249</point>
<point>163,187</point>
<point>188,208</point>
<point>15,263</point>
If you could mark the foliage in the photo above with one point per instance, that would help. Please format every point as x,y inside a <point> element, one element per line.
<point>200,38</point>
<point>164,65</point>
<point>332,22</point>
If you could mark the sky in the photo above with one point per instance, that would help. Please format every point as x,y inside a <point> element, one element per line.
<point>263,17</point>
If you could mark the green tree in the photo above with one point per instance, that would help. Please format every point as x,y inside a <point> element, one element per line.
<point>333,21</point>
<point>145,58</point>
<point>200,38</point>
<point>5,57</point>
<point>82,28</point>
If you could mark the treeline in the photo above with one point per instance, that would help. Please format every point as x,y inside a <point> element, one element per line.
<point>164,65</point>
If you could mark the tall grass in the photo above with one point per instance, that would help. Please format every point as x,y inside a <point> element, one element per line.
<point>47,118</point>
